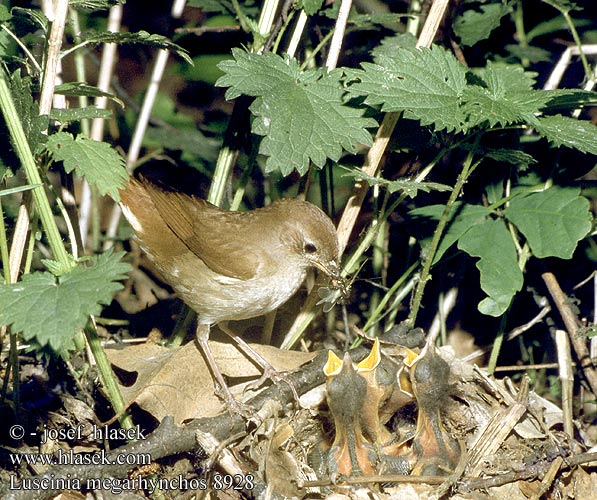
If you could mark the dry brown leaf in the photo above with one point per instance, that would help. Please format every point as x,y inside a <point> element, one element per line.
<point>234,364</point>
<point>169,381</point>
<point>177,382</point>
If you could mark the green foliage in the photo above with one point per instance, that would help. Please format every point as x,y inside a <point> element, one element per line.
<point>477,23</point>
<point>77,114</point>
<point>553,221</point>
<point>220,6</point>
<point>302,114</point>
<point>501,277</point>
<point>506,97</point>
<point>430,85</point>
<point>310,6</point>
<point>426,84</point>
<point>97,161</point>
<point>563,131</point>
<point>95,4</point>
<point>143,37</point>
<point>28,110</point>
<point>81,89</point>
<point>461,218</point>
<point>51,310</point>
<point>390,44</point>
<point>409,187</point>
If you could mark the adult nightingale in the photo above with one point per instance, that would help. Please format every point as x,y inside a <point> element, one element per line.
<point>230,265</point>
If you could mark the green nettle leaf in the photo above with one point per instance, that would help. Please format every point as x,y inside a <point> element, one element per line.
<point>427,84</point>
<point>473,26</point>
<point>51,310</point>
<point>95,4</point>
<point>566,99</point>
<point>512,156</point>
<point>28,110</point>
<point>507,97</point>
<point>150,39</point>
<point>563,131</point>
<point>462,217</point>
<point>409,187</point>
<point>533,54</point>
<point>391,44</point>
<point>553,221</point>
<point>301,114</point>
<point>77,114</point>
<point>310,6</point>
<point>82,89</point>
<point>501,277</point>
<point>220,6</point>
<point>97,161</point>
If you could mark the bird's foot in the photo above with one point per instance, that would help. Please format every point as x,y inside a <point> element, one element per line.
<point>234,406</point>
<point>270,373</point>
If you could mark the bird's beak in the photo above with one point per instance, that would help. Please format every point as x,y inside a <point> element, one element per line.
<point>330,268</point>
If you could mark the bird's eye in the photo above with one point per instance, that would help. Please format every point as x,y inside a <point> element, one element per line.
<point>310,248</point>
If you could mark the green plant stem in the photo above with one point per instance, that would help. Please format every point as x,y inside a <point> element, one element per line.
<point>518,16</point>
<point>107,376</point>
<point>585,63</point>
<point>497,346</point>
<point>437,235</point>
<point>311,57</point>
<point>23,151</point>
<point>376,315</point>
<point>79,66</point>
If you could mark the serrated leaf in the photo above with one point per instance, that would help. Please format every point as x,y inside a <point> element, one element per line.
<point>82,89</point>
<point>95,4</point>
<point>28,110</point>
<point>427,84</point>
<point>220,6</point>
<point>462,217</point>
<point>143,37</point>
<point>501,277</point>
<point>51,310</point>
<point>507,97</point>
<point>533,54</point>
<point>567,99</point>
<point>78,114</point>
<point>310,6</point>
<point>473,26</point>
<point>34,18</point>
<point>512,156</point>
<point>301,114</point>
<point>553,221</point>
<point>58,268</point>
<point>97,161</point>
<point>563,131</point>
<point>390,44</point>
<point>409,187</point>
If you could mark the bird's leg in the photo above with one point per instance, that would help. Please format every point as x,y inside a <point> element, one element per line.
<point>269,372</point>
<point>222,389</point>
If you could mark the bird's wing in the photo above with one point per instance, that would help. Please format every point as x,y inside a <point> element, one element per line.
<point>209,232</point>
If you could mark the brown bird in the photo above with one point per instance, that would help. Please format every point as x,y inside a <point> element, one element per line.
<point>229,265</point>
